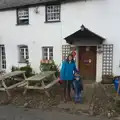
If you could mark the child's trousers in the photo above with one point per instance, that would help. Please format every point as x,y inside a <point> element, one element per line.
<point>77,89</point>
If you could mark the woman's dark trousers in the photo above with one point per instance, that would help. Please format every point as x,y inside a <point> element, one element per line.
<point>67,89</point>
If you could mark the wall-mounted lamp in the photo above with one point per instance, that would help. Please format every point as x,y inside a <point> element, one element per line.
<point>99,48</point>
<point>36,10</point>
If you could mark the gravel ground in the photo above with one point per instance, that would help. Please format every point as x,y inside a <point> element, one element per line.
<point>33,99</point>
<point>102,103</point>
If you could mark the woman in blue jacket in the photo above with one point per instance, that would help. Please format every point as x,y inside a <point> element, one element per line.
<point>67,75</point>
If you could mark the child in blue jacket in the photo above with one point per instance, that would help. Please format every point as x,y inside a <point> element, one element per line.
<point>78,87</point>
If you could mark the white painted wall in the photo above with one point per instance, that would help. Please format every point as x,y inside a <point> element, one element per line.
<point>36,35</point>
<point>100,16</point>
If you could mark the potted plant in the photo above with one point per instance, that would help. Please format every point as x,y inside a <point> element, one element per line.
<point>107,79</point>
<point>49,65</point>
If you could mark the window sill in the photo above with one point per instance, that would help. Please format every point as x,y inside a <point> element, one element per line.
<point>22,62</point>
<point>22,24</point>
<point>52,21</point>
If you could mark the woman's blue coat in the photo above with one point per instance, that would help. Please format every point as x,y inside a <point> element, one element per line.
<point>67,70</point>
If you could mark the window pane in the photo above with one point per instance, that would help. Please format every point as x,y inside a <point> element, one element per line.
<point>45,58</point>
<point>23,53</point>
<point>51,54</point>
<point>50,49</point>
<point>26,49</point>
<point>3,57</point>
<point>53,13</point>
<point>23,16</point>
<point>47,55</point>
<point>51,58</point>
<point>45,49</point>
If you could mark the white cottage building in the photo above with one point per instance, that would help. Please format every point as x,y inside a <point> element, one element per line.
<point>48,29</point>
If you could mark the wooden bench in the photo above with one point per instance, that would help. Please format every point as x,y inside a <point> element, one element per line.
<point>8,76</point>
<point>41,78</point>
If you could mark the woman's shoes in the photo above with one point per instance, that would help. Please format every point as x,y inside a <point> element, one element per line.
<point>69,99</point>
<point>66,99</point>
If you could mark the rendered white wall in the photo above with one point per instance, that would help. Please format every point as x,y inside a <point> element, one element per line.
<point>100,16</point>
<point>36,35</point>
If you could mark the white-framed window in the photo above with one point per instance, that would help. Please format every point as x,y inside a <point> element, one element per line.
<point>47,53</point>
<point>2,57</point>
<point>52,13</point>
<point>23,53</point>
<point>22,16</point>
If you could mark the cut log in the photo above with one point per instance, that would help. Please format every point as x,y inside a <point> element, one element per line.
<point>51,84</point>
<point>2,89</point>
<point>16,85</point>
<point>34,87</point>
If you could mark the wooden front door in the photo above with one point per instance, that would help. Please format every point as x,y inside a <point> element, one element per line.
<point>87,62</point>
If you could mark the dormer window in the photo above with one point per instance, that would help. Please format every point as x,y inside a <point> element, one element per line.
<point>22,16</point>
<point>53,13</point>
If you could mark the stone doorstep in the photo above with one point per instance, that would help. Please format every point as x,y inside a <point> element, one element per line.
<point>117,118</point>
<point>76,107</point>
<point>87,97</point>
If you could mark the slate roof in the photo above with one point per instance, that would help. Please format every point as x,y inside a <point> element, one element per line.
<point>8,4</point>
<point>84,33</point>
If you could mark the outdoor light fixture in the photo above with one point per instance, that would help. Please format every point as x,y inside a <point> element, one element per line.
<point>87,48</point>
<point>99,48</point>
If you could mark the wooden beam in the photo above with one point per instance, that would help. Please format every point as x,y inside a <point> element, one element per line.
<point>22,84</point>
<point>15,85</point>
<point>51,84</point>
<point>34,87</point>
<point>2,89</point>
<point>4,85</point>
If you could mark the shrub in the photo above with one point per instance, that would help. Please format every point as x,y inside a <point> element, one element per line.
<point>14,68</point>
<point>28,70</point>
<point>107,79</point>
<point>49,65</point>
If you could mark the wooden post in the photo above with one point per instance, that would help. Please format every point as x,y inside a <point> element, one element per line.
<point>4,85</point>
<point>46,92</point>
<point>24,76</point>
<point>25,90</point>
<point>54,77</point>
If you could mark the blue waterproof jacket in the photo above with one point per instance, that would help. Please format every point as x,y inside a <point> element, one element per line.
<point>67,70</point>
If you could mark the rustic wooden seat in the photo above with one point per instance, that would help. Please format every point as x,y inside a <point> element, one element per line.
<point>42,77</point>
<point>8,76</point>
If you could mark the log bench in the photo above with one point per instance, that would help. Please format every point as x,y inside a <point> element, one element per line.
<point>39,82</point>
<point>9,77</point>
